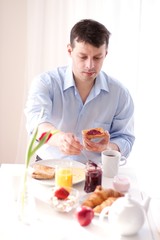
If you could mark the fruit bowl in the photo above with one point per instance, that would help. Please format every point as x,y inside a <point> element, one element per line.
<point>66,203</point>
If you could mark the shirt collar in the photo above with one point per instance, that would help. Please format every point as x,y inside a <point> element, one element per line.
<point>100,84</point>
<point>68,79</point>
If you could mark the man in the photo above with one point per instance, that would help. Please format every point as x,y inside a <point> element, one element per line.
<point>81,96</point>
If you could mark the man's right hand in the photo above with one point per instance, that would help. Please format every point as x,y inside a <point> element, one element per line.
<point>67,143</point>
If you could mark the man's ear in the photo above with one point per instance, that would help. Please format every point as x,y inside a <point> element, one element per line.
<point>69,48</point>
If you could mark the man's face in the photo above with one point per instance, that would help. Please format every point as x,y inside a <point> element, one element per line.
<point>87,60</point>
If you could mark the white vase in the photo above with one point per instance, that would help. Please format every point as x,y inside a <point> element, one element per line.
<point>26,202</point>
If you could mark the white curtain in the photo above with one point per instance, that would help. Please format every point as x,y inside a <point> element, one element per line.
<point>134,56</point>
<point>147,97</point>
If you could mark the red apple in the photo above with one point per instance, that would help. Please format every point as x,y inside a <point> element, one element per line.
<point>84,215</point>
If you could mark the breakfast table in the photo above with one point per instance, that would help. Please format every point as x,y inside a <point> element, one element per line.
<point>49,224</point>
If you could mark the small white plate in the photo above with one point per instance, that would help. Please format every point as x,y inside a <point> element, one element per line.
<point>78,170</point>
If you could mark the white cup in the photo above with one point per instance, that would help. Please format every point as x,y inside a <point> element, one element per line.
<point>111,160</point>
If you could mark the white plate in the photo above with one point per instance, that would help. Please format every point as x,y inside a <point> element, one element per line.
<point>78,170</point>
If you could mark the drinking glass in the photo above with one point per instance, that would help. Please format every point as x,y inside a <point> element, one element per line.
<point>64,175</point>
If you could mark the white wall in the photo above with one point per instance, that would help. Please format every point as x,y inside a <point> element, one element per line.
<point>13,30</point>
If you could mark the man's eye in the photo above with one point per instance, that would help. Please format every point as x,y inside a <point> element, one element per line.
<point>83,58</point>
<point>97,58</point>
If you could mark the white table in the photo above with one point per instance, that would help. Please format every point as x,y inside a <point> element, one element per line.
<point>58,226</point>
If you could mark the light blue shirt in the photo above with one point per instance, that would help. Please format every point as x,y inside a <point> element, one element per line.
<point>109,105</point>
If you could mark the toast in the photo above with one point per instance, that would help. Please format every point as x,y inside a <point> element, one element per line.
<point>93,133</point>
<point>43,172</point>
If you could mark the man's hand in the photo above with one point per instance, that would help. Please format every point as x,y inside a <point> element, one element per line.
<point>100,146</point>
<point>67,143</point>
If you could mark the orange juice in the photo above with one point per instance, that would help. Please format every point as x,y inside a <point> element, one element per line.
<point>63,177</point>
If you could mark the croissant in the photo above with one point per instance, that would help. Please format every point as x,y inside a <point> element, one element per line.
<point>99,195</point>
<point>108,192</point>
<point>104,204</point>
<point>93,200</point>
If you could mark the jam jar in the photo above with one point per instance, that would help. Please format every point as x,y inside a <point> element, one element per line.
<point>93,176</point>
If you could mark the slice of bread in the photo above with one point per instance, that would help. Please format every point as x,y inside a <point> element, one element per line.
<point>43,172</point>
<point>93,133</point>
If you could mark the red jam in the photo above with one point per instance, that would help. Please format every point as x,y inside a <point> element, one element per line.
<point>93,176</point>
<point>93,132</point>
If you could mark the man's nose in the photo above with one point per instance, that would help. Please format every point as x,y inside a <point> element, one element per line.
<point>90,63</point>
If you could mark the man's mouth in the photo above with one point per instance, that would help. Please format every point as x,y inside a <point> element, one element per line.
<point>89,73</point>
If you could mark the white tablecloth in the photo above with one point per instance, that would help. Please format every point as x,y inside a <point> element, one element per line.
<point>51,225</point>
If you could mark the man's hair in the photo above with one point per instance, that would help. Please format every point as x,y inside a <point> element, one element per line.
<point>89,31</point>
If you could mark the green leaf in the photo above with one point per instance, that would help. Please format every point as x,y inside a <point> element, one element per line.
<point>41,142</point>
<point>30,151</point>
<point>30,146</point>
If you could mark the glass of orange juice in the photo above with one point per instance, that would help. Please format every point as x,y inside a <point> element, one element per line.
<point>63,175</point>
